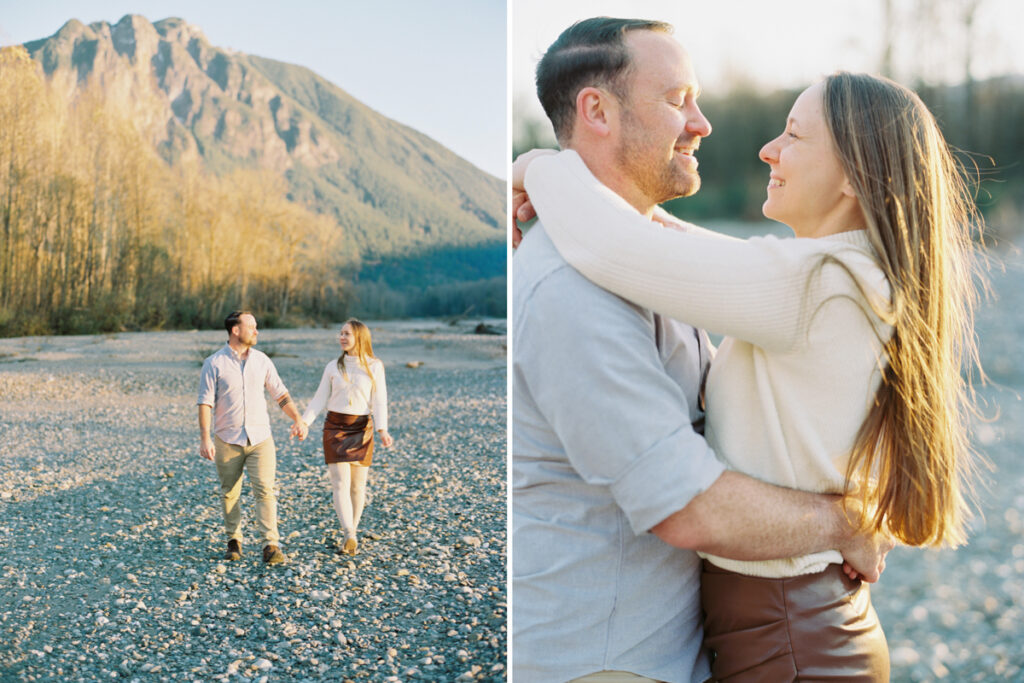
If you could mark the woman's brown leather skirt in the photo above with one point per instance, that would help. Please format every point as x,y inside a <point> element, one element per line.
<point>348,438</point>
<point>816,627</point>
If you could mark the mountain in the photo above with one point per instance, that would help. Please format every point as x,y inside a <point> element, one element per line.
<point>396,194</point>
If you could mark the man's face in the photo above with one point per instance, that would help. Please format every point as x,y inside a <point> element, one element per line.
<point>661,124</point>
<point>247,331</point>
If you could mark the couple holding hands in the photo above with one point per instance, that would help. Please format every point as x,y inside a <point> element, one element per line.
<point>231,386</point>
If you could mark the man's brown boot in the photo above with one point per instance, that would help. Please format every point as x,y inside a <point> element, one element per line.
<point>234,550</point>
<point>272,555</point>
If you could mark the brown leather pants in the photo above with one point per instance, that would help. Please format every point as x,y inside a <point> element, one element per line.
<point>817,627</point>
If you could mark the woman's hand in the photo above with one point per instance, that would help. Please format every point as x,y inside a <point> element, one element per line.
<point>385,438</point>
<point>522,209</point>
<point>300,429</point>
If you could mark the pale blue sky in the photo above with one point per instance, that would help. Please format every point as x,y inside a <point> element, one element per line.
<point>438,66</point>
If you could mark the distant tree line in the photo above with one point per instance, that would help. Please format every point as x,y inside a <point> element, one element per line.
<point>446,281</point>
<point>981,119</point>
<point>98,233</point>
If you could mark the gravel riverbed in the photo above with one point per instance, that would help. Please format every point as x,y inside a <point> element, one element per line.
<point>111,534</point>
<point>111,537</point>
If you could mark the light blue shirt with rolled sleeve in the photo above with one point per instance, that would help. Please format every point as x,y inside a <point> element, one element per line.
<point>234,388</point>
<point>603,448</point>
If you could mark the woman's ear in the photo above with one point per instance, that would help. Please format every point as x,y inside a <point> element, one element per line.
<point>595,111</point>
<point>847,188</point>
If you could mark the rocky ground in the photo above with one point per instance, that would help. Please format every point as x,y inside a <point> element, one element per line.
<point>111,534</point>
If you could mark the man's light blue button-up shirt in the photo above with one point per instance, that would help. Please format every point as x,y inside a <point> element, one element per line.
<point>235,390</point>
<point>603,399</point>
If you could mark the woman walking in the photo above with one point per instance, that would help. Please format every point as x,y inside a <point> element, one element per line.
<point>354,392</point>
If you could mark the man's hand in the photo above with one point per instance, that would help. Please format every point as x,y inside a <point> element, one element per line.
<point>864,551</point>
<point>865,556</point>
<point>206,448</point>
<point>299,429</point>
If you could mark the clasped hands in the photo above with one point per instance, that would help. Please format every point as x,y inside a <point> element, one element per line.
<point>299,429</point>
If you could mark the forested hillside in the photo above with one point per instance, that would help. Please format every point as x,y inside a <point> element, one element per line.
<point>150,179</point>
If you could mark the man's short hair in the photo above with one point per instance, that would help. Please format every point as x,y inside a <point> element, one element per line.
<point>590,53</point>
<point>233,318</point>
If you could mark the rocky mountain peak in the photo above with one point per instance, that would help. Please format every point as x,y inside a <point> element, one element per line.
<point>379,178</point>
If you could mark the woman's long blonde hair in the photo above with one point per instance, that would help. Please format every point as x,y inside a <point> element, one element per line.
<point>362,349</point>
<point>920,214</point>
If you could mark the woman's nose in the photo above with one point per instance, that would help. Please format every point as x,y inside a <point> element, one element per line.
<point>769,153</point>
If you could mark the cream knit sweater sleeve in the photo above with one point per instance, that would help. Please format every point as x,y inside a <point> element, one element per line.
<point>379,399</point>
<point>755,290</point>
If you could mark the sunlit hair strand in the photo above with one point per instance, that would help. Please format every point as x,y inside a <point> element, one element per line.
<point>920,217</point>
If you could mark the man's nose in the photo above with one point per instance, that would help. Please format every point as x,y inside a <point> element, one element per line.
<point>698,124</point>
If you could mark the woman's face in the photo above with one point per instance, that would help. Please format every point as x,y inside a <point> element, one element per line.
<point>807,188</point>
<point>347,338</point>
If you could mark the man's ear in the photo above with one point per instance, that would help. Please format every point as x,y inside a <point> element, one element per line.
<point>596,111</point>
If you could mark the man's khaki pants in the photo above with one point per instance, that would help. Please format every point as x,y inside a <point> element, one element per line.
<point>612,677</point>
<point>260,461</point>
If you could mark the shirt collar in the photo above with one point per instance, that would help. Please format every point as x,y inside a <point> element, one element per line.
<point>231,352</point>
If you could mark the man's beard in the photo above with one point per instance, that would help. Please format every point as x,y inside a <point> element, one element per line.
<point>658,180</point>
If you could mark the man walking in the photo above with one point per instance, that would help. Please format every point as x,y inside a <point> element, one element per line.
<point>612,485</point>
<point>231,387</point>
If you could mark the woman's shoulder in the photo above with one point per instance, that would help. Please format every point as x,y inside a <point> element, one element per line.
<point>854,249</point>
<point>854,269</point>
<point>372,362</point>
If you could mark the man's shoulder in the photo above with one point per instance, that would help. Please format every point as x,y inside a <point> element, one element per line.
<point>536,259</point>
<point>260,357</point>
<point>213,357</point>
<point>540,275</point>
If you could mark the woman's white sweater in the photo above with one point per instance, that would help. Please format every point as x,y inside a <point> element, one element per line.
<point>358,395</point>
<point>798,370</point>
